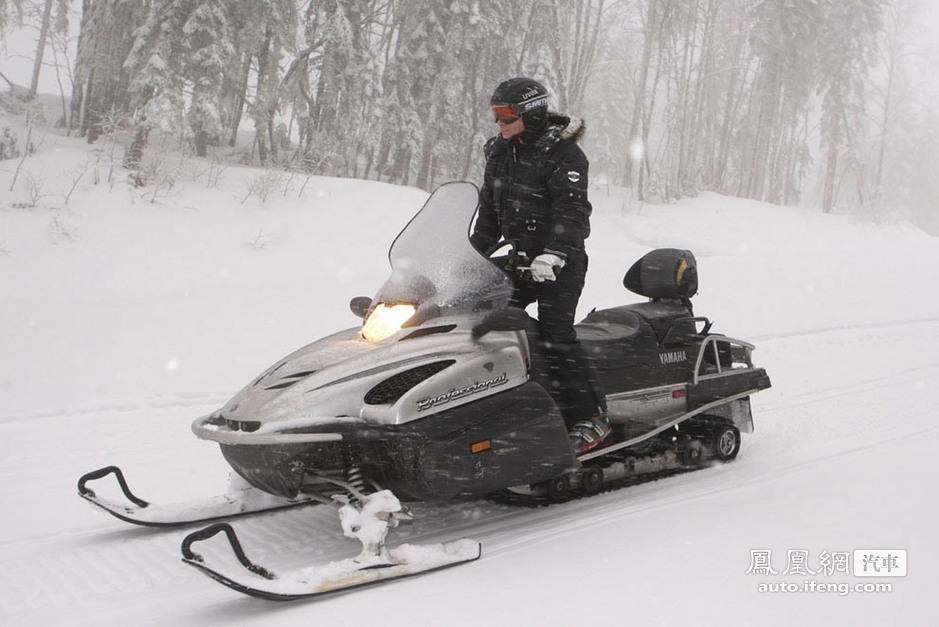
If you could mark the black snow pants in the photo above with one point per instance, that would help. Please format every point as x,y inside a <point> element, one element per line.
<point>571,371</point>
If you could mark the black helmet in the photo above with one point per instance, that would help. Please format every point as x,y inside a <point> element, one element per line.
<point>528,97</point>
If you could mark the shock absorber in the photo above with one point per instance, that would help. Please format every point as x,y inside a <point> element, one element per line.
<point>352,462</point>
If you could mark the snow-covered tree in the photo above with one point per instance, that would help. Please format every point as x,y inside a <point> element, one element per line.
<point>156,86</point>
<point>683,95</point>
<point>207,53</point>
<point>9,9</point>
<point>276,22</point>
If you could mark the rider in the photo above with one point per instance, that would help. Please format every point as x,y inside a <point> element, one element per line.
<point>534,195</point>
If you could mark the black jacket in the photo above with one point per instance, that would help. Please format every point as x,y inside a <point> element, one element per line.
<point>534,194</point>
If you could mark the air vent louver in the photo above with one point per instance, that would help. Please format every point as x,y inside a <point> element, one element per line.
<point>243,425</point>
<point>293,378</point>
<point>424,332</point>
<point>394,387</point>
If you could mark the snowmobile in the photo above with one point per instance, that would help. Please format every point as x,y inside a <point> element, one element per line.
<point>443,392</point>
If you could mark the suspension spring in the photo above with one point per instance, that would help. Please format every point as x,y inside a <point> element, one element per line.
<point>352,458</point>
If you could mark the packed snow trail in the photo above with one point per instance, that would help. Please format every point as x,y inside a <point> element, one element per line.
<point>112,343</point>
<point>85,560</point>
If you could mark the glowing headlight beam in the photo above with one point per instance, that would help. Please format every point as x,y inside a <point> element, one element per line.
<point>386,320</point>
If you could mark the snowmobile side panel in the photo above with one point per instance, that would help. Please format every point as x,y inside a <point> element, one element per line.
<point>649,404</point>
<point>711,389</point>
<point>468,450</point>
<point>511,438</point>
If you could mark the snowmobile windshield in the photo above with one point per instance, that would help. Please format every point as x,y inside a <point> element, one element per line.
<point>434,266</point>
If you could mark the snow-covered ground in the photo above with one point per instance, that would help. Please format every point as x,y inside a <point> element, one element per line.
<point>128,312</point>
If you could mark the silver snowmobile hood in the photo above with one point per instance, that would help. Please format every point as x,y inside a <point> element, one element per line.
<point>427,364</point>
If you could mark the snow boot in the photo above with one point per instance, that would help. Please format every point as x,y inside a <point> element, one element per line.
<point>586,435</point>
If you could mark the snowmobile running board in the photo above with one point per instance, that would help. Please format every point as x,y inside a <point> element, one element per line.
<point>605,450</point>
<point>140,512</point>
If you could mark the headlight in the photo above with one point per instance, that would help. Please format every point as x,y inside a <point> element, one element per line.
<point>386,320</point>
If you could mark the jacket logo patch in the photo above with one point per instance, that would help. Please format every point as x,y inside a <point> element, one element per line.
<point>574,176</point>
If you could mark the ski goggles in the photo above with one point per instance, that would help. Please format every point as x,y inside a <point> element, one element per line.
<point>505,112</point>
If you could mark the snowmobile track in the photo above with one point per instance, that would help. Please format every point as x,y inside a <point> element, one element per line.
<point>514,499</point>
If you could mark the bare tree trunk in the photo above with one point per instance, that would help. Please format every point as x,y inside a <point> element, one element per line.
<point>41,47</point>
<point>527,33</point>
<point>261,125</point>
<point>703,109</point>
<point>272,136</point>
<point>576,45</point>
<point>89,118</point>
<point>402,165</point>
<point>201,140</point>
<point>81,82</point>
<point>828,198</point>
<point>424,172</point>
<point>134,155</point>
<point>636,154</point>
<point>645,173</point>
<point>683,173</point>
<point>260,137</point>
<point>768,98</point>
<point>239,108</point>
<point>468,147</point>
<point>884,123</point>
<point>77,106</point>
<point>901,17</point>
<point>381,165</point>
<point>734,98</point>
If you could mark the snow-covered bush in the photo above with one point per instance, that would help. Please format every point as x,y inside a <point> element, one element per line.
<point>8,147</point>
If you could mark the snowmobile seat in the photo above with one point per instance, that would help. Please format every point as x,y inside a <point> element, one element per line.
<point>608,325</point>
<point>612,336</point>
<point>617,340</point>
<point>669,318</point>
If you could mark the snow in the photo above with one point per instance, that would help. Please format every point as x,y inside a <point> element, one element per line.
<point>124,319</point>
<point>369,522</point>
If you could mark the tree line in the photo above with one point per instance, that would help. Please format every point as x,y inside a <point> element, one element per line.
<point>754,98</point>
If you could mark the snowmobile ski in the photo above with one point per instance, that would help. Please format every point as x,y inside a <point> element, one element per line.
<point>238,502</point>
<point>367,520</point>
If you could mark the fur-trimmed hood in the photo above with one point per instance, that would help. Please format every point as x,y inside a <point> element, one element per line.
<point>567,126</point>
